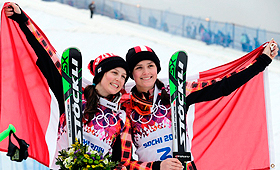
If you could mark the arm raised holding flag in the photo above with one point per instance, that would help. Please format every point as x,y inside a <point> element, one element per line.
<point>47,60</point>
<point>32,97</point>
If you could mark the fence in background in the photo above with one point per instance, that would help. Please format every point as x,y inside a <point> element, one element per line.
<point>211,32</point>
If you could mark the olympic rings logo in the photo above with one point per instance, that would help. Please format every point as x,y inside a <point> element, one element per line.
<point>154,112</point>
<point>105,118</point>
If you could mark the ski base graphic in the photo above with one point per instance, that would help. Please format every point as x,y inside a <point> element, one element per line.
<point>177,83</point>
<point>71,66</point>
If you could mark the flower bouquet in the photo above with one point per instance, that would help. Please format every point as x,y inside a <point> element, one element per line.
<point>78,157</point>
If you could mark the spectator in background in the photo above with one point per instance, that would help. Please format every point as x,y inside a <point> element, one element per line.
<point>228,40</point>
<point>91,8</point>
<point>205,34</point>
<point>152,22</point>
<point>191,30</point>
<point>245,42</point>
<point>257,43</point>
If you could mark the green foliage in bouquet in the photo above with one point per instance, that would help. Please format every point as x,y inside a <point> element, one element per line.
<point>78,157</point>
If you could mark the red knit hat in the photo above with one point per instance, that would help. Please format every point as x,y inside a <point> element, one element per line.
<point>139,53</point>
<point>104,63</point>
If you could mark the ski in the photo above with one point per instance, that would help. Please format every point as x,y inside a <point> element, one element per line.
<point>71,66</point>
<point>177,84</point>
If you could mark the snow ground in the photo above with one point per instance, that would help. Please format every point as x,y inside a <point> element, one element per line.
<point>66,26</point>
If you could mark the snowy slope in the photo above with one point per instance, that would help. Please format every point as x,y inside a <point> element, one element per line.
<point>66,26</point>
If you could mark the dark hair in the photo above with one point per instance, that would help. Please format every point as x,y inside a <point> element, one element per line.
<point>92,100</point>
<point>165,97</point>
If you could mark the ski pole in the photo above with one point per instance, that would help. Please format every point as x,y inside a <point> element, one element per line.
<point>6,132</point>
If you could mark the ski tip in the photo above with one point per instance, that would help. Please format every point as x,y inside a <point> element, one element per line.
<point>73,51</point>
<point>76,48</point>
<point>179,54</point>
<point>181,51</point>
<point>72,48</point>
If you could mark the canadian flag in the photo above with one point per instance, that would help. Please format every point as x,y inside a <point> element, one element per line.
<point>27,97</point>
<point>233,132</point>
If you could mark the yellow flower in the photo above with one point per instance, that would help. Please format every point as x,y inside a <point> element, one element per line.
<point>86,156</point>
<point>76,143</point>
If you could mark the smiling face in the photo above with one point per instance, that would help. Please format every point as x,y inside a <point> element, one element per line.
<point>145,75</point>
<point>112,82</point>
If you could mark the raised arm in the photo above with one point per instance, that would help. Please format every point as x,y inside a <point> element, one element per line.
<point>226,86</point>
<point>44,61</point>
